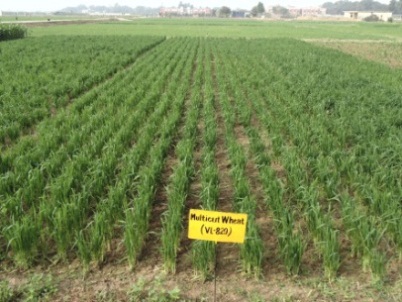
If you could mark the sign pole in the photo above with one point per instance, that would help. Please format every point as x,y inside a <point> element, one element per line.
<point>215,269</point>
<point>217,227</point>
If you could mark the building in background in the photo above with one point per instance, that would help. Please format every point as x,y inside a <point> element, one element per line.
<point>240,13</point>
<point>360,15</point>
<point>185,10</point>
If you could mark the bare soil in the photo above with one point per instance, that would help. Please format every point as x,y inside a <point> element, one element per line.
<point>115,282</point>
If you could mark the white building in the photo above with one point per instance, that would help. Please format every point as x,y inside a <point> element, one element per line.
<point>358,15</point>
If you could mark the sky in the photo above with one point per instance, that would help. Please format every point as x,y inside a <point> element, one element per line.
<point>48,6</point>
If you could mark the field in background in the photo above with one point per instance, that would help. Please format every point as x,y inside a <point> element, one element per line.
<point>382,52</point>
<point>234,28</point>
<point>120,136</point>
<point>376,42</point>
<point>26,18</point>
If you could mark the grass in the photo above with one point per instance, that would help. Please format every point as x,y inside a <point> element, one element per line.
<point>45,17</point>
<point>385,53</point>
<point>154,290</point>
<point>345,289</point>
<point>38,287</point>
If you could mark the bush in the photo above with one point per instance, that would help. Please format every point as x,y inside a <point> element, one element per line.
<point>11,32</point>
<point>372,18</point>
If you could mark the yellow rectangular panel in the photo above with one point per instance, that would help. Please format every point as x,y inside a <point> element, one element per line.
<point>217,226</point>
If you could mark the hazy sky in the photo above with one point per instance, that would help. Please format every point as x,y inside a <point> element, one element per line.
<point>46,5</point>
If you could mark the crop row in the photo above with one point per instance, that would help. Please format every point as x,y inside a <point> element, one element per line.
<point>138,212</point>
<point>307,144</point>
<point>40,75</point>
<point>61,190</point>
<point>204,252</point>
<point>322,135</point>
<point>12,32</point>
<point>243,201</point>
<point>183,172</point>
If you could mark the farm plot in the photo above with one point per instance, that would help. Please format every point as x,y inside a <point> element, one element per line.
<point>382,52</point>
<point>305,140</point>
<point>40,75</point>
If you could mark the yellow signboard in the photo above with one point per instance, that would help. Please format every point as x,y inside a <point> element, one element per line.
<point>217,226</point>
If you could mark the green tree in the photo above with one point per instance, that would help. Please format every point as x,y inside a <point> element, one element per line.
<point>281,11</point>
<point>392,6</point>
<point>254,11</point>
<point>338,7</point>
<point>258,10</point>
<point>395,6</point>
<point>224,11</point>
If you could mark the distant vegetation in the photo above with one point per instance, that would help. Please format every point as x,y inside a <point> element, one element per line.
<point>372,18</point>
<point>281,11</point>
<point>224,12</point>
<point>116,9</point>
<point>338,7</point>
<point>11,32</point>
<point>395,6</point>
<point>258,10</point>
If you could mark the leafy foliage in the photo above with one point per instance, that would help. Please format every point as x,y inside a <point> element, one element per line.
<point>338,7</point>
<point>7,294</point>
<point>372,18</point>
<point>12,32</point>
<point>224,12</point>
<point>153,291</point>
<point>395,6</point>
<point>259,9</point>
<point>280,11</point>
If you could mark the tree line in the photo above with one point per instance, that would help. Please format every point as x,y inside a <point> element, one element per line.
<point>338,7</point>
